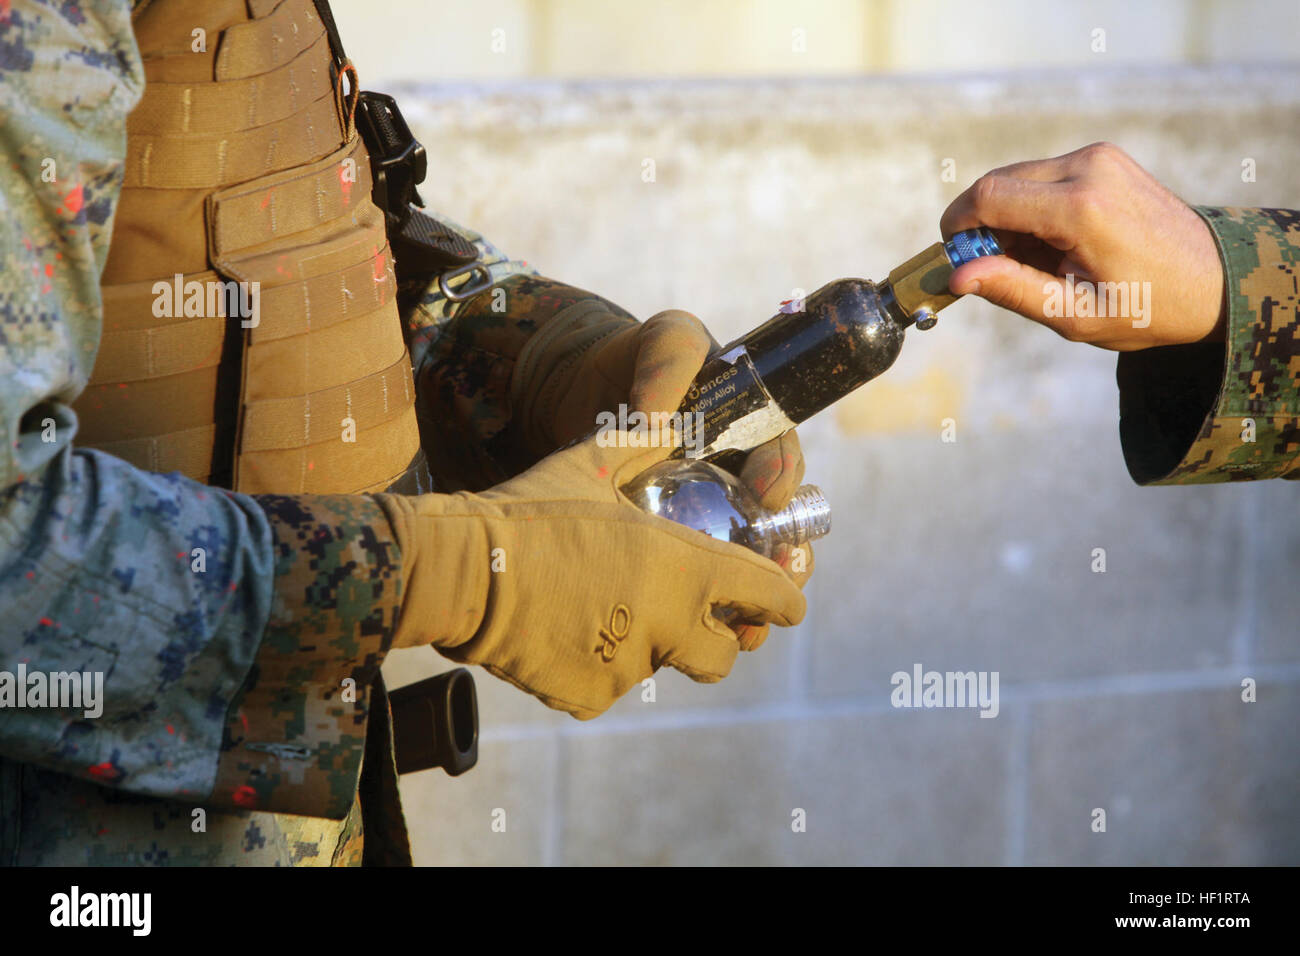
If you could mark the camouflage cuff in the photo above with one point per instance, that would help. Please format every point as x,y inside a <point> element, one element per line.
<point>430,311</point>
<point>1210,412</point>
<point>469,427</point>
<point>296,732</point>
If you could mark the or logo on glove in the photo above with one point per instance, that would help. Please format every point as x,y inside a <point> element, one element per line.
<point>612,636</point>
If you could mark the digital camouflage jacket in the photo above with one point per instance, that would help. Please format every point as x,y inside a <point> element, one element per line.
<point>1191,414</point>
<point>300,593</point>
<point>235,695</point>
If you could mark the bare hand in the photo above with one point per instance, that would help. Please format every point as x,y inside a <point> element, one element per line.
<point>1145,268</point>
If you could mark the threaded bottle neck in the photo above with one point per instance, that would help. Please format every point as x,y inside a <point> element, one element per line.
<point>806,517</point>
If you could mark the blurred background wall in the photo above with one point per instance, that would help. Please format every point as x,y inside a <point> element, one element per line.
<point>794,143</point>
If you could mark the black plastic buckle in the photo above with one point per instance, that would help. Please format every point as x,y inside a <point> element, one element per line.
<point>397,159</point>
<point>421,245</point>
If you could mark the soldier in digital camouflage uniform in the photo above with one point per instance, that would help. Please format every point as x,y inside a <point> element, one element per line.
<point>244,719</point>
<point>223,688</point>
<point>1209,377</point>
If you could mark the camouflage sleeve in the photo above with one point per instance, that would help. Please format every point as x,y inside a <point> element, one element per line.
<point>158,636</point>
<point>464,355</point>
<point>296,732</point>
<point>1230,411</point>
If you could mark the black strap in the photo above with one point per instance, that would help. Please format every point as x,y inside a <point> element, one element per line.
<point>422,246</point>
<point>332,31</point>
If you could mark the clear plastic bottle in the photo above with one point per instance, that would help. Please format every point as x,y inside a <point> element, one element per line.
<point>704,497</point>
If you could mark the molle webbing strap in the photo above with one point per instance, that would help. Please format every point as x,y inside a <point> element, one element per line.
<point>178,40</point>
<point>209,108</point>
<point>288,203</point>
<point>343,353</point>
<point>118,411</point>
<point>246,47</point>
<point>325,300</point>
<point>181,345</point>
<point>417,466</point>
<point>303,420</point>
<point>138,345</point>
<point>129,306</point>
<point>195,161</point>
<point>335,466</point>
<point>188,451</point>
<point>268,42</point>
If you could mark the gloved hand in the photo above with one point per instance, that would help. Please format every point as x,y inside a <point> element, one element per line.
<point>556,583</point>
<point>588,359</point>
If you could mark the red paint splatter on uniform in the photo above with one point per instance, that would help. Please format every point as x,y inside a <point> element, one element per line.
<point>380,273</point>
<point>103,771</point>
<point>232,586</point>
<point>266,201</point>
<point>49,270</point>
<point>602,471</point>
<point>30,575</point>
<point>181,555</point>
<point>46,622</point>
<point>45,289</point>
<point>73,201</point>
<point>243,719</point>
<point>345,182</point>
<point>311,465</point>
<point>244,796</point>
<point>171,729</point>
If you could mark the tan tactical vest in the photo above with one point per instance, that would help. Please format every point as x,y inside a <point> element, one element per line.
<point>244,166</point>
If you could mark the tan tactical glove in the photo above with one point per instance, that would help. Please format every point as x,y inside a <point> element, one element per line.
<point>554,582</point>
<point>587,360</point>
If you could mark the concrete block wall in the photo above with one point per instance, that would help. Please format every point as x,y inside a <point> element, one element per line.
<point>1118,690</point>
<point>416,40</point>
